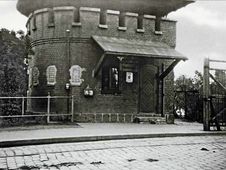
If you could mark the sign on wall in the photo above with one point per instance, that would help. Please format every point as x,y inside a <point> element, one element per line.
<point>76,75</point>
<point>129,77</point>
<point>51,72</point>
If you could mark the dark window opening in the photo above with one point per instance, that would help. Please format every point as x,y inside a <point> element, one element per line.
<point>158,23</point>
<point>122,19</point>
<point>140,21</point>
<point>103,17</point>
<point>34,26</point>
<point>51,18</point>
<point>76,16</point>
<point>110,78</point>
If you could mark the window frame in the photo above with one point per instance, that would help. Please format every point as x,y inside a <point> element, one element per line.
<point>107,77</point>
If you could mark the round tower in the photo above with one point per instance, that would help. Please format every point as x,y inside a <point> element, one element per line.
<point>70,55</point>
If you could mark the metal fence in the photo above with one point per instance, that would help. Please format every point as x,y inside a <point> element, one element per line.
<point>18,107</point>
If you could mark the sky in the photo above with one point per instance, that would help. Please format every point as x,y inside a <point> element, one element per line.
<point>201,31</point>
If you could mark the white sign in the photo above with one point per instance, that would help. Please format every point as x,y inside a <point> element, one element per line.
<point>129,77</point>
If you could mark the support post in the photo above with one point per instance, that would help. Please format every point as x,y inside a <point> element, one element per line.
<point>206,94</point>
<point>48,108</point>
<point>23,106</point>
<point>162,93</point>
<point>72,108</point>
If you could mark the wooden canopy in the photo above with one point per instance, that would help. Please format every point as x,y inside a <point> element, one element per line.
<point>136,48</point>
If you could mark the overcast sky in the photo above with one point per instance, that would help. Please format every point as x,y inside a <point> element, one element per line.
<point>201,31</point>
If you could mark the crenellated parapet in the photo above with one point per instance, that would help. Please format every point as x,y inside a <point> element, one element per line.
<point>85,22</point>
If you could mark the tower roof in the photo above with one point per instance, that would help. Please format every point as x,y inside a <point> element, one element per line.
<point>152,7</point>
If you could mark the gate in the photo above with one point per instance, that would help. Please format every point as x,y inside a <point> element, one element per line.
<point>214,94</point>
<point>188,105</point>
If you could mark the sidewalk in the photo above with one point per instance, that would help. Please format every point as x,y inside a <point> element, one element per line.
<point>81,132</point>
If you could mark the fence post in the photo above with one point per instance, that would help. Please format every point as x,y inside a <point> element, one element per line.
<point>23,106</point>
<point>48,108</point>
<point>206,94</point>
<point>72,108</point>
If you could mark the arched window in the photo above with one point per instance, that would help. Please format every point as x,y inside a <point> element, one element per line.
<point>76,75</point>
<point>51,73</point>
<point>35,76</point>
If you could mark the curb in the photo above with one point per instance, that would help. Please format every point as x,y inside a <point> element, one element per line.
<point>14,143</point>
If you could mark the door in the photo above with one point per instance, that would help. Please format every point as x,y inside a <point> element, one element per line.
<point>148,97</point>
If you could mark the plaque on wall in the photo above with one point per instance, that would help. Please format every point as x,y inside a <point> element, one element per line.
<point>51,72</point>
<point>35,76</point>
<point>76,75</point>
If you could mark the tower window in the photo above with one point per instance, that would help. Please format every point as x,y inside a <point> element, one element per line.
<point>76,17</point>
<point>34,25</point>
<point>122,21</point>
<point>51,18</point>
<point>140,23</point>
<point>158,25</point>
<point>103,18</point>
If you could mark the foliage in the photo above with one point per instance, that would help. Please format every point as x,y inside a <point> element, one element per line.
<point>12,70</point>
<point>187,102</point>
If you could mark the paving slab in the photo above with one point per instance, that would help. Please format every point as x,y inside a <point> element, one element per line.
<point>83,132</point>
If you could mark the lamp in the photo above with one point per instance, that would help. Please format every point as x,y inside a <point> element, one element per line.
<point>67,86</point>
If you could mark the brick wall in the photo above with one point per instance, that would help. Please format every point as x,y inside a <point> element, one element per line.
<point>50,46</point>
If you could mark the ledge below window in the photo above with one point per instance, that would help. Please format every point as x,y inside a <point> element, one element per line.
<point>103,26</point>
<point>51,25</point>
<point>76,24</point>
<point>140,30</point>
<point>158,33</point>
<point>122,28</point>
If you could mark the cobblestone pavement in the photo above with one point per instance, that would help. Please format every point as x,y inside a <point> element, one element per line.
<point>156,153</point>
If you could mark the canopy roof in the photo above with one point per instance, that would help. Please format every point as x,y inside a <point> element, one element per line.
<point>139,48</point>
<point>136,48</point>
<point>152,7</point>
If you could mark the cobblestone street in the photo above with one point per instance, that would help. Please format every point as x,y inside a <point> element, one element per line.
<point>157,153</point>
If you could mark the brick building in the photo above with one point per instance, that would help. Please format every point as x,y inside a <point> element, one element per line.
<point>120,51</point>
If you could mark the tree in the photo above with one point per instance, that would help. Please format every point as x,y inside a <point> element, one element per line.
<point>12,70</point>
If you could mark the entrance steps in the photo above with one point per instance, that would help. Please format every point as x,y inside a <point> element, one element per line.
<point>151,118</point>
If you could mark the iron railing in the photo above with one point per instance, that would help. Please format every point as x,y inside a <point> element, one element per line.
<point>23,109</point>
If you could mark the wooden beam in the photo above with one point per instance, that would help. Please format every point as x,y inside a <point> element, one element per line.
<point>169,69</point>
<point>217,61</point>
<point>206,94</point>
<point>218,83</point>
<point>217,69</point>
<point>98,65</point>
